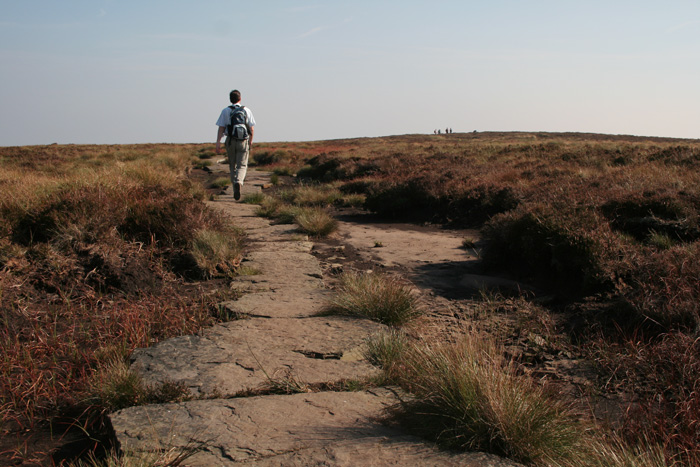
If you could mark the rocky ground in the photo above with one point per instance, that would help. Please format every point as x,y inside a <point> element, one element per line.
<point>271,387</point>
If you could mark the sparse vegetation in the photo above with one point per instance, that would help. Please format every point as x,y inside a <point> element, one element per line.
<point>469,397</point>
<point>217,252</point>
<point>97,246</point>
<point>221,182</point>
<point>254,198</point>
<point>375,296</point>
<point>386,351</point>
<point>115,387</point>
<point>302,205</point>
<point>606,224</point>
<point>315,222</point>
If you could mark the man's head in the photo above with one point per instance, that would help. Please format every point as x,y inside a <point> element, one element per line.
<point>235,96</point>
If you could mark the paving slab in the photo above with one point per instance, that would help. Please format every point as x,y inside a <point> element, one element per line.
<point>288,303</point>
<point>251,354</point>
<point>326,428</point>
<point>281,341</point>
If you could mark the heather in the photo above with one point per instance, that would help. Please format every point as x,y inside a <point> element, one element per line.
<point>605,227</point>
<point>102,250</point>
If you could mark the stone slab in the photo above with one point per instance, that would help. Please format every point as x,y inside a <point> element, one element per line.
<point>251,354</point>
<point>327,428</point>
<point>275,232</point>
<point>288,303</point>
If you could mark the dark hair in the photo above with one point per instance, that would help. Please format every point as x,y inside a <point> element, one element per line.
<point>235,96</point>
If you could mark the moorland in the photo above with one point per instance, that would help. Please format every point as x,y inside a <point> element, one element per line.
<point>604,229</point>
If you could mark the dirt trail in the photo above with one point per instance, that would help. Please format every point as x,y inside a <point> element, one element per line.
<point>281,342</point>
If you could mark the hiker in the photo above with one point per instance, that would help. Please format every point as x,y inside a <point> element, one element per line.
<point>238,123</point>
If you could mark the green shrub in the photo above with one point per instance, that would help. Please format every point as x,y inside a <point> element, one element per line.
<point>375,296</point>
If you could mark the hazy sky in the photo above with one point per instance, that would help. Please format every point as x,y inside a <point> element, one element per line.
<point>123,71</point>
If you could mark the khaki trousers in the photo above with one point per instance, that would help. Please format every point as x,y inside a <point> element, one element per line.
<point>238,151</point>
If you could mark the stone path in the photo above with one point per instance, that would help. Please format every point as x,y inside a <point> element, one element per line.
<point>279,341</point>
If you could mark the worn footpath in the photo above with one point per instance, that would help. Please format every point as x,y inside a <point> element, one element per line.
<point>278,341</point>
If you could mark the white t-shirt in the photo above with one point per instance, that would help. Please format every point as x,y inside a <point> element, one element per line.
<point>225,117</point>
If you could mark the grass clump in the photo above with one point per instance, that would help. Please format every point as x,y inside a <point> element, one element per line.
<point>375,296</point>
<point>315,222</point>
<point>311,195</point>
<point>216,252</point>
<point>254,198</point>
<point>386,351</point>
<point>114,386</point>
<point>268,207</point>
<point>469,397</point>
<point>221,182</point>
<point>287,214</point>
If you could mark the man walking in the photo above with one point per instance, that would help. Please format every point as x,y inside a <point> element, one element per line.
<point>237,122</point>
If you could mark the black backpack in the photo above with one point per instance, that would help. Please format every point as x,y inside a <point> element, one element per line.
<point>238,126</point>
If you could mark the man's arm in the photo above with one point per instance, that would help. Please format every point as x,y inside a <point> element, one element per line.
<point>219,134</point>
<point>250,139</point>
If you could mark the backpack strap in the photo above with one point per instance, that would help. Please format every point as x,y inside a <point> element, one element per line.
<point>233,107</point>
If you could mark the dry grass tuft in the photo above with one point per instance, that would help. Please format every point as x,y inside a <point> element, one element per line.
<point>315,222</point>
<point>217,252</point>
<point>375,296</point>
<point>469,397</point>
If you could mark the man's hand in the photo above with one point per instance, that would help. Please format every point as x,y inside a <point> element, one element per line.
<point>219,134</point>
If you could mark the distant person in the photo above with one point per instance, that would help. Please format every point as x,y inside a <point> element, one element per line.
<point>238,123</point>
<point>439,132</point>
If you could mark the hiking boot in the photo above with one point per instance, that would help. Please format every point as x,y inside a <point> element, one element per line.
<point>236,191</point>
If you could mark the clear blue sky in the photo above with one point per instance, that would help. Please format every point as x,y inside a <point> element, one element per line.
<point>128,71</point>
